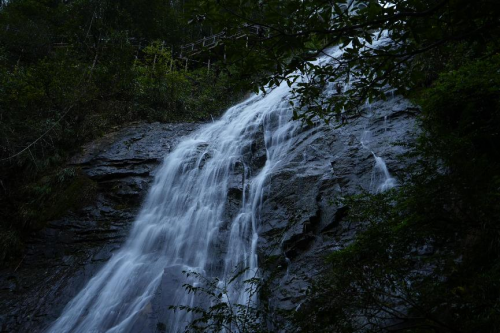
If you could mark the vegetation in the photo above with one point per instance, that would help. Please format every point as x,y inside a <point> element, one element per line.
<point>222,314</point>
<point>424,35</point>
<point>428,260</point>
<point>71,71</point>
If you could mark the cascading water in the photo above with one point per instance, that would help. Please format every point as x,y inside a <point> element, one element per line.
<point>381,179</point>
<point>182,226</point>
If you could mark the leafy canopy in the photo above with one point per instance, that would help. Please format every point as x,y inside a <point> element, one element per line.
<point>296,31</point>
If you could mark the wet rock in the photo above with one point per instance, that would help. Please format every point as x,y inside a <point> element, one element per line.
<point>338,216</point>
<point>303,215</point>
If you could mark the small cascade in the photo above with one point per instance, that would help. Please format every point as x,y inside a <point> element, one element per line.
<point>365,140</point>
<point>368,106</point>
<point>381,179</point>
<point>287,260</point>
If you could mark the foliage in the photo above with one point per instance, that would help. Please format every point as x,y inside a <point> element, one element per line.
<point>224,314</point>
<point>54,195</point>
<point>295,32</point>
<point>72,70</point>
<point>428,259</point>
<point>161,83</point>
<point>164,87</point>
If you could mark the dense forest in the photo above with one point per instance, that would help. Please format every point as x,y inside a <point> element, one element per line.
<point>74,70</point>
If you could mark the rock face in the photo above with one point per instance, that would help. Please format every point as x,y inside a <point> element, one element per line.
<point>302,216</point>
<point>301,219</point>
<point>61,258</point>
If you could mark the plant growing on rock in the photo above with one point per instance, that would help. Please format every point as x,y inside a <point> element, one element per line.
<point>428,257</point>
<point>222,313</point>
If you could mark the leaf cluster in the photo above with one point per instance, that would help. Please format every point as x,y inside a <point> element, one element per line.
<point>386,44</point>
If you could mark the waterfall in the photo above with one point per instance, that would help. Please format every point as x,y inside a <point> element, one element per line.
<point>381,179</point>
<point>182,227</point>
<point>182,224</point>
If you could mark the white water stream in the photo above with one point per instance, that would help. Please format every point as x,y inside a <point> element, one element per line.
<point>182,225</point>
<point>381,179</point>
